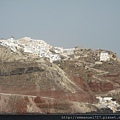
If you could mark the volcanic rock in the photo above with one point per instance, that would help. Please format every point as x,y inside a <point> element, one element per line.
<point>38,78</point>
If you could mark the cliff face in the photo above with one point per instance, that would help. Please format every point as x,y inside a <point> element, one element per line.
<point>33,84</point>
<point>25,104</point>
<point>19,81</point>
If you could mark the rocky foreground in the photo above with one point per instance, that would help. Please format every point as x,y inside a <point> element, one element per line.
<point>38,78</point>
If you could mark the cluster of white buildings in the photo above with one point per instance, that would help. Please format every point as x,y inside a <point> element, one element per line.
<point>108,102</point>
<point>36,47</point>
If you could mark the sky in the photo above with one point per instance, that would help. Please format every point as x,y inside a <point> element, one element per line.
<point>91,24</point>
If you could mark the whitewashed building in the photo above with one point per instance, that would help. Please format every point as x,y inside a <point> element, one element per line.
<point>104,56</point>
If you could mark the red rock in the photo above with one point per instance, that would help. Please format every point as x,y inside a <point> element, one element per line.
<point>94,86</point>
<point>39,100</point>
<point>106,86</point>
<point>79,81</point>
<point>101,87</point>
<point>26,99</point>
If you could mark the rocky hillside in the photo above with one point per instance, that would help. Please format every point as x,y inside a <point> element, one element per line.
<point>38,78</point>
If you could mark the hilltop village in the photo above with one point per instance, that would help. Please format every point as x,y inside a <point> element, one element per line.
<point>41,49</point>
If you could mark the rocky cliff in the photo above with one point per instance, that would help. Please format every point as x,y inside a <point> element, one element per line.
<point>61,81</point>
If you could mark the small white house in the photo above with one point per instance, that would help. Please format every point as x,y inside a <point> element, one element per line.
<point>104,56</point>
<point>107,98</point>
<point>103,99</point>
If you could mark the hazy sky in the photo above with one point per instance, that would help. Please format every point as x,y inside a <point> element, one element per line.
<point>65,23</point>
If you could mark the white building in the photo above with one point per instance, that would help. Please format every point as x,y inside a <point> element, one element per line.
<point>107,98</point>
<point>104,56</point>
<point>28,49</point>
